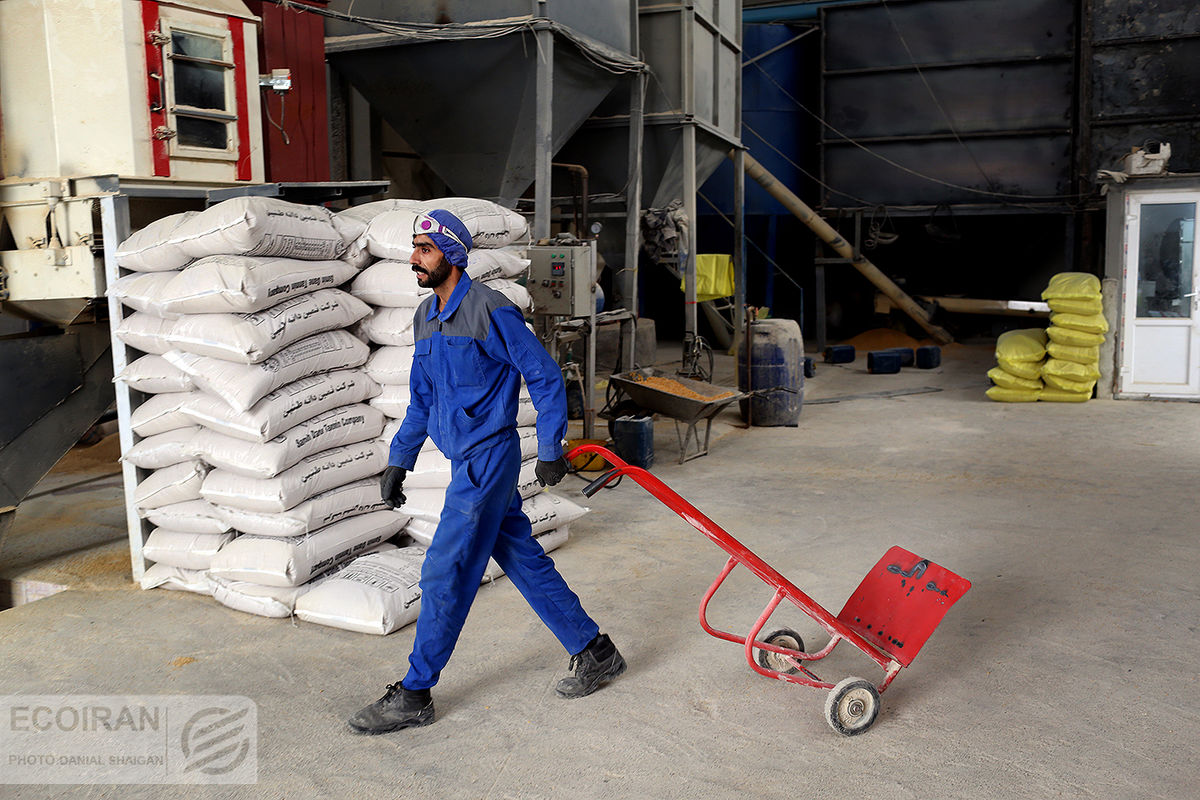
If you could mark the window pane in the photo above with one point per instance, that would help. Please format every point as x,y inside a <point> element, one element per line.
<point>194,132</point>
<point>1165,254</point>
<point>189,44</point>
<point>199,85</point>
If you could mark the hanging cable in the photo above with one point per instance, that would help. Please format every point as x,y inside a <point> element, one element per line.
<point>750,241</point>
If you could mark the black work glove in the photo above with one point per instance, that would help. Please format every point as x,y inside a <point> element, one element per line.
<point>391,483</point>
<point>550,472</point>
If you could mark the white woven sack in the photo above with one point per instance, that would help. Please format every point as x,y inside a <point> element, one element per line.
<point>143,291</point>
<point>163,449</point>
<point>260,226</point>
<point>391,364</point>
<point>284,408</point>
<point>161,413</point>
<point>392,284</point>
<point>487,265</point>
<point>548,510</point>
<point>190,516</point>
<point>334,428</point>
<point>173,484</point>
<point>185,550</point>
<point>313,475</point>
<point>252,338</point>
<point>424,503</point>
<point>182,580</point>
<point>526,412</point>
<point>527,438</point>
<point>245,284</point>
<point>152,248</point>
<point>553,538</point>
<point>377,594</point>
<point>144,331</point>
<point>342,502</point>
<point>527,481</point>
<point>392,326</point>
<point>243,385</point>
<point>390,234</point>
<point>153,374</point>
<point>392,400</point>
<point>431,471</point>
<point>490,225</point>
<point>514,291</point>
<point>292,560</point>
<point>273,601</point>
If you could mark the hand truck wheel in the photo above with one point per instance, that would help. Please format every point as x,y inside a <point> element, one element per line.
<point>852,706</point>
<point>784,637</point>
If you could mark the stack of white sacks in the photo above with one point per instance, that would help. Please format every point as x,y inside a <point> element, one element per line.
<point>264,420</point>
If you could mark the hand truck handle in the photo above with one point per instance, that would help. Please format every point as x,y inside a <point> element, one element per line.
<point>598,484</point>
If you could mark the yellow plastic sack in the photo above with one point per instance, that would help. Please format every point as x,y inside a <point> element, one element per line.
<point>1091,323</point>
<point>714,276</point>
<point>1004,395</point>
<point>1080,355</point>
<point>1052,395</point>
<point>1072,285</point>
<point>1030,370</point>
<point>1010,381</point>
<point>1027,344</point>
<point>1076,306</point>
<point>1071,370</point>
<point>1073,337</point>
<point>1068,385</point>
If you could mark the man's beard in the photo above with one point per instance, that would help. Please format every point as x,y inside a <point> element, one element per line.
<point>432,280</point>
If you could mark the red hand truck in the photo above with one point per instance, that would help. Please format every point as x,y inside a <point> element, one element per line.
<point>889,617</point>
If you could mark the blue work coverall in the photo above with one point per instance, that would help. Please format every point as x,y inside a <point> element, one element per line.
<point>465,379</point>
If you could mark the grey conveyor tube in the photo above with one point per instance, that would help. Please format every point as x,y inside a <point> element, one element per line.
<point>834,239</point>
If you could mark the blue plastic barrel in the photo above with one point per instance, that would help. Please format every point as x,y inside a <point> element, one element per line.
<point>775,373</point>
<point>633,440</point>
<point>883,362</point>
<point>929,357</point>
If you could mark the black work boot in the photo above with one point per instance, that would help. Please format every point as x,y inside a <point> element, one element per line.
<point>594,666</point>
<point>398,708</point>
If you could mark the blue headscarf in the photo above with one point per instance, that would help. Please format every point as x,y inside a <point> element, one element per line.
<point>454,252</point>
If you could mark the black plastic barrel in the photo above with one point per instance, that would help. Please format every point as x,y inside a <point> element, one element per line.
<point>775,373</point>
<point>633,440</point>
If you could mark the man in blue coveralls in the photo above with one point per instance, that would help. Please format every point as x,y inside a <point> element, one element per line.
<point>472,347</point>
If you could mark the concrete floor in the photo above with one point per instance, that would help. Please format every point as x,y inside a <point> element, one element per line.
<point>1068,670</point>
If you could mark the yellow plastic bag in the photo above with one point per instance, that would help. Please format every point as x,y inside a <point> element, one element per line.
<point>1091,323</point>
<point>1030,370</point>
<point>1072,285</point>
<point>1004,395</point>
<point>1073,337</point>
<point>1068,385</point>
<point>1010,381</point>
<point>1077,306</point>
<point>1071,370</point>
<point>1053,395</point>
<point>714,276</point>
<point>1027,344</point>
<point>1067,352</point>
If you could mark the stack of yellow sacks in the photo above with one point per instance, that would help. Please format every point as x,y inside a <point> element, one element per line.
<point>1018,374</point>
<point>1077,328</point>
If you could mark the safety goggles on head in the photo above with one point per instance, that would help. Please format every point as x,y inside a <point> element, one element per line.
<point>425,224</point>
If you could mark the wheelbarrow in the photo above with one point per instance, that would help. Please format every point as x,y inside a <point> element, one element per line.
<point>693,402</point>
<point>889,617</point>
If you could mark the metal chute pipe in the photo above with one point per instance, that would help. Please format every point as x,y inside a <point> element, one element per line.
<point>834,239</point>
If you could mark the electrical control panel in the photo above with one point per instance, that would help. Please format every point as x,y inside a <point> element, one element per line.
<point>560,280</point>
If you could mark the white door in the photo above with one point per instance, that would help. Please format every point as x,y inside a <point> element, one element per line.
<point>1160,354</point>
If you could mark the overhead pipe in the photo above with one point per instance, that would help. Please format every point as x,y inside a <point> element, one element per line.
<point>581,211</point>
<point>834,239</point>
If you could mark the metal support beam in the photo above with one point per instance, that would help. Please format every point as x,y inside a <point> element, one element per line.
<point>543,134</point>
<point>628,286</point>
<point>843,248</point>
